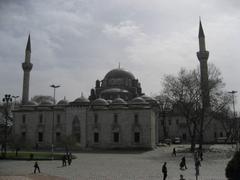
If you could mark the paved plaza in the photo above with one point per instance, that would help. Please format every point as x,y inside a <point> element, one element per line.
<point>117,165</point>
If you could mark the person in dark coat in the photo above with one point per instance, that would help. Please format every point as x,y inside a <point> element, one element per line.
<point>201,155</point>
<point>197,165</point>
<point>64,159</point>
<point>69,158</point>
<point>181,177</point>
<point>183,163</point>
<point>36,167</point>
<point>174,153</point>
<point>164,170</point>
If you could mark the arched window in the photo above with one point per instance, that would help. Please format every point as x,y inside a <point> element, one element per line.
<point>76,129</point>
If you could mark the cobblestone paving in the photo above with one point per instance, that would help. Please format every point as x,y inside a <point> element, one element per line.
<point>118,166</point>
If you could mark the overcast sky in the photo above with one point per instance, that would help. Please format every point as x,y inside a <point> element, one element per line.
<point>75,42</point>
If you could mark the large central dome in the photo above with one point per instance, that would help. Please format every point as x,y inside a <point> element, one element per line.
<point>117,83</point>
<point>119,73</point>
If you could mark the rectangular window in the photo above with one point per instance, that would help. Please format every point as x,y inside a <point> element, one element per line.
<point>137,137</point>
<point>221,134</point>
<point>116,137</point>
<point>177,121</point>
<point>58,119</point>
<point>23,135</point>
<point>136,118</point>
<point>95,118</point>
<point>169,122</point>
<point>40,119</point>
<point>115,118</point>
<point>184,136</point>
<point>40,137</point>
<point>23,118</point>
<point>58,136</point>
<point>96,137</point>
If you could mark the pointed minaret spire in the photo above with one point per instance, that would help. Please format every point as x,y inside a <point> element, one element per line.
<point>200,33</point>
<point>27,67</point>
<point>201,37</point>
<point>28,47</point>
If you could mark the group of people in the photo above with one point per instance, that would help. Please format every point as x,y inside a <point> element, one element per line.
<point>164,171</point>
<point>198,155</point>
<point>67,158</point>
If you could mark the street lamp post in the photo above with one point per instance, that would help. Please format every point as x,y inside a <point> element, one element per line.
<point>162,107</point>
<point>15,100</point>
<point>7,99</point>
<point>235,120</point>
<point>54,102</point>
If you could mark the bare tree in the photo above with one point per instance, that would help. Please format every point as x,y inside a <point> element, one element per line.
<point>184,91</point>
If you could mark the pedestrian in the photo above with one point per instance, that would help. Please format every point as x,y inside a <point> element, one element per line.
<point>181,177</point>
<point>195,156</point>
<point>64,160</point>
<point>17,150</point>
<point>197,165</point>
<point>36,167</point>
<point>201,155</point>
<point>164,170</point>
<point>69,158</point>
<point>174,153</point>
<point>183,163</point>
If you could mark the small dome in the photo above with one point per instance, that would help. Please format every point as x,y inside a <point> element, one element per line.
<point>81,100</point>
<point>118,101</point>
<point>46,102</point>
<point>100,102</point>
<point>138,100</point>
<point>149,99</point>
<point>62,102</point>
<point>31,103</point>
<point>119,73</point>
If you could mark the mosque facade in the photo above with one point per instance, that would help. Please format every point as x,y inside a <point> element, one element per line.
<point>117,114</point>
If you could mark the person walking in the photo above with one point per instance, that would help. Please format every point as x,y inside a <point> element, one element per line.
<point>164,171</point>
<point>183,163</point>
<point>201,155</point>
<point>181,177</point>
<point>197,165</point>
<point>174,153</point>
<point>36,167</point>
<point>64,160</point>
<point>69,158</point>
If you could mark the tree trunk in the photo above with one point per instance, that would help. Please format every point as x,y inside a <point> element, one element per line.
<point>193,138</point>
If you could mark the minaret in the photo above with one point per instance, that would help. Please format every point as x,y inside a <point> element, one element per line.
<point>202,55</point>
<point>27,67</point>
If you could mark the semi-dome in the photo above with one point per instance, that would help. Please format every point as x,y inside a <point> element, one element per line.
<point>81,100</point>
<point>138,100</point>
<point>100,102</point>
<point>149,99</point>
<point>62,102</point>
<point>118,101</point>
<point>119,73</point>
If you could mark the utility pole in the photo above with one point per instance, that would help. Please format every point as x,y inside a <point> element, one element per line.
<point>236,123</point>
<point>54,102</point>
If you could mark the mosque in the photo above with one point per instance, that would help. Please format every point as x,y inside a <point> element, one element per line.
<point>117,114</point>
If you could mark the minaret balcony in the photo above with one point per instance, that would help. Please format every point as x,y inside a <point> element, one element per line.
<point>202,55</point>
<point>27,66</point>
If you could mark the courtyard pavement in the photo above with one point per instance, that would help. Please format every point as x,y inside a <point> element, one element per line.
<point>120,165</point>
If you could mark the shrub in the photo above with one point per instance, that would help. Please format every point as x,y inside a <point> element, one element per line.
<point>233,167</point>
